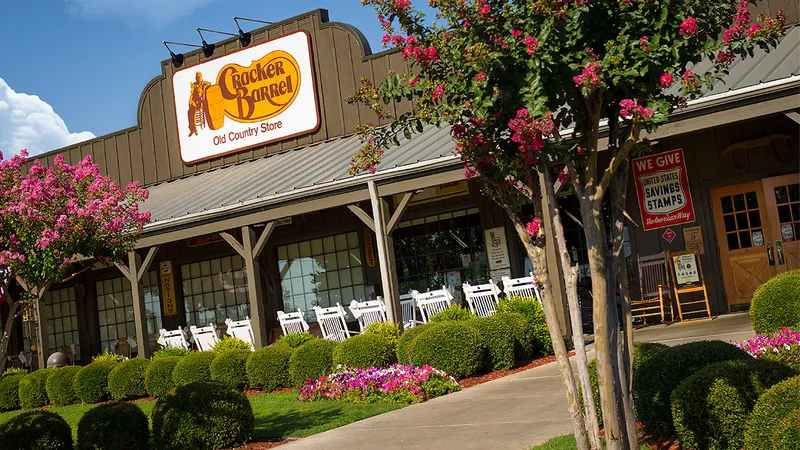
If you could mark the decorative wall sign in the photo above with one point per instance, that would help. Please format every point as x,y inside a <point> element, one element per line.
<point>693,238</point>
<point>496,248</point>
<point>249,97</point>
<point>369,249</point>
<point>170,304</point>
<point>662,187</point>
<point>669,235</point>
<point>436,193</point>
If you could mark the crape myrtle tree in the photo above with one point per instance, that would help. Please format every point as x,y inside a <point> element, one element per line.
<point>56,222</point>
<point>527,84</point>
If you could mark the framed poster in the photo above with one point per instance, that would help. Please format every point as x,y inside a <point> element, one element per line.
<point>497,248</point>
<point>686,269</point>
<point>662,187</point>
<point>693,238</point>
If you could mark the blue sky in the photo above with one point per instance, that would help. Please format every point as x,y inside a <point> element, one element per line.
<point>90,59</point>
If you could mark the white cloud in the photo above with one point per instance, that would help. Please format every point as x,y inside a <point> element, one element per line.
<point>157,13</point>
<point>26,121</point>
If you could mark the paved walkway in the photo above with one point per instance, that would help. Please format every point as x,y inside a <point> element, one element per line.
<point>513,412</point>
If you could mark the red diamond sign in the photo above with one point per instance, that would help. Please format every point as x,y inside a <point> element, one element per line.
<point>669,235</point>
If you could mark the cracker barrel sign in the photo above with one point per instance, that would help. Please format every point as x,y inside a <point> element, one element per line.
<point>662,186</point>
<point>260,94</point>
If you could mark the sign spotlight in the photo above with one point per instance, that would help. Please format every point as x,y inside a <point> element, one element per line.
<point>246,37</point>
<point>177,58</point>
<point>208,49</point>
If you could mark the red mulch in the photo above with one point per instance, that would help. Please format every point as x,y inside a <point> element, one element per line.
<point>480,379</point>
<point>654,444</point>
<point>263,445</point>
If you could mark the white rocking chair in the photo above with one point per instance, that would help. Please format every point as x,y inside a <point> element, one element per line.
<point>482,299</point>
<point>432,303</point>
<point>174,338</point>
<point>409,310</point>
<point>204,337</point>
<point>294,322</point>
<point>524,287</point>
<point>241,329</point>
<point>368,312</point>
<point>332,323</point>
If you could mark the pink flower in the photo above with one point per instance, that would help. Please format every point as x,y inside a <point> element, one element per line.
<point>725,58</point>
<point>414,82</point>
<point>754,29</point>
<point>644,43</point>
<point>630,109</point>
<point>588,78</point>
<point>438,92</point>
<point>563,176</point>
<point>688,27</point>
<point>531,44</point>
<point>666,80</point>
<point>480,76</point>
<point>516,33</point>
<point>533,227</point>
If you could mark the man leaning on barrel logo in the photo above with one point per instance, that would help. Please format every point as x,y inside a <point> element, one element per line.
<point>196,100</point>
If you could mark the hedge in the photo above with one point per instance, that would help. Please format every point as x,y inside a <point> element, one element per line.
<point>656,378</point>
<point>497,335</point>
<point>777,303</point>
<point>787,431</point>
<point>114,426</point>
<point>533,312</point>
<point>268,367</point>
<point>158,376</point>
<point>202,415</point>
<point>710,407</point>
<point>294,340</point>
<point>126,381</point>
<point>311,361</point>
<point>389,330</point>
<point>403,357</point>
<point>772,407</point>
<point>9,391</point>
<point>59,386</point>
<point>33,389</point>
<point>454,347</point>
<point>230,368</point>
<point>787,356</point>
<point>524,340</point>
<point>170,351</point>
<point>232,343</point>
<point>364,351</point>
<point>453,312</point>
<point>91,382</point>
<point>36,430</point>
<point>195,366</point>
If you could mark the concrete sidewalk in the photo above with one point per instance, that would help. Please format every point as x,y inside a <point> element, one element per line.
<point>728,327</point>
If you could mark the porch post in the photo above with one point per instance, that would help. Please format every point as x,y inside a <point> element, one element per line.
<point>255,286</point>
<point>43,350</point>
<point>134,272</point>
<point>385,252</point>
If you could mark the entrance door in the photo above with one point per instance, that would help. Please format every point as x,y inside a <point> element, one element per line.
<point>782,195</point>
<point>744,239</point>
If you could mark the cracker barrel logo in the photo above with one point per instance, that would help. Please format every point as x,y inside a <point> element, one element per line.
<point>253,96</point>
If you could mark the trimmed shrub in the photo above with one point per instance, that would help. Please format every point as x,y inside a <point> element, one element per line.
<point>158,376</point>
<point>9,391</point>
<point>268,367</point>
<point>91,382</point>
<point>777,303</point>
<point>107,356</point>
<point>710,407</point>
<point>532,311</point>
<point>453,312</point>
<point>36,430</point>
<point>771,408</point>
<point>787,431</point>
<point>14,371</point>
<point>311,361</point>
<point>59,386</point>
<point>33,389</point>
<point>114,426</point>
<point>294,340</point>
<point>195,366</point>
<point>231,343</point>
<point>364,351</point>
<point>202,416</point>
<point>230,368</point>
<point>454,347</point>
<point>656,378</point>
<point>170,351</point>
<point>497,336</point>
<point>403,357</point>
<point>787,356</point>
<point>522,333</point>
<point>389,330</point>
<point>126,380</point>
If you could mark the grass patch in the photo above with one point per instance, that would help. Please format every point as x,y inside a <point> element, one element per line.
<point>565,442</point>
<point>277,415</point>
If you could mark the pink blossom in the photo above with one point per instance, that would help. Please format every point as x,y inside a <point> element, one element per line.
<point>754,29</point>
<point>531,44</point>
<point>725,57</point>
<point>630,109</point>
<point>533,227</point>
<point>588,78</point>
<point>644,43</point>
<point>688,27</point>
<point>480,76</point>
<point>516,33</point>
<point>438,92</point>
<point>666,80</point>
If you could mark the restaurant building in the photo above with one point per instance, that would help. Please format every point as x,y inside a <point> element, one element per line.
<point>246,156</point>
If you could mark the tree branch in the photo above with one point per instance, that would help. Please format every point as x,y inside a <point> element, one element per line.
<point>620,157</point>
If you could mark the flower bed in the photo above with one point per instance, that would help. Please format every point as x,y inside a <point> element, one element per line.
<point>395,384</point>
<point>763,345</point>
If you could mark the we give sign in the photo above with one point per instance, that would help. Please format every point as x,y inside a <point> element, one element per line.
<point>662,187</point>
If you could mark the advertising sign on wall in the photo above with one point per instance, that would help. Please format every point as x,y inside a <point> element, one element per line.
<point>253,96</point>
<point>497,248</point>
<point>168,289</point>
<point>662,186</point>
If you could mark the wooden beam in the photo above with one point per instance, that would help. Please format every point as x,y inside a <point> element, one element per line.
<point>136,265</point>
<point>398,213</point>
<point>125,271</point>
<point>234,243</point>
<point>794,115</point>
<point>255,289</point>
<point>363,215</point>
<point>394,313</point>
<point>148,260</point>
<point>262,240</point>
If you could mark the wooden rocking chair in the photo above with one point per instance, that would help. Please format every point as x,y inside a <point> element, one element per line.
<point>654,288</point>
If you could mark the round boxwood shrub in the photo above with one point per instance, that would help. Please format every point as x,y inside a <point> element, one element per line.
<point>114,426</point>
<point>787,431</point>
<point>311,361</point>
<point>403,357</point>
<point>91,382</point>
<point>36,430</point>
<point>126,380</point>
<point>777,303</point>
<point>294,340</point>
<point>195,366</point>
<point>522,332</point>
<point>497,336</point>
<point>454,347</point>
<point>59,386</point>
<point>33,389</point>
<point>158,376</point>
<point>771,408</point>
<point>655,379</point>
<point>268,367</point>
<point>533,312</point>
<point>202,415</point>
<point>389,330</point>
<point>170,351</point>
<point>231,343</point>
<point>9,391</point>
<point>712,405</point>
<point>230,368</point>
<point>453,312</point>
<point>365,350</point>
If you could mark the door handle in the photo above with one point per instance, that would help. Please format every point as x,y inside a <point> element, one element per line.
<point>770,254</point>
<point>779,251</point>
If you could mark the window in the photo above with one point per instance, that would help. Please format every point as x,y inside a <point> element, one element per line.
<point>742,221</point>
<point>115,309</point>
<point>787,198</point>
<point>321,272</point>
<point>61,319</point>
<point>152,301</point>
<point>214,290</point>
<point>440,250</point>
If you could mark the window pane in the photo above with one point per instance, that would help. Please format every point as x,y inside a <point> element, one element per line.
<point>727,205</point>
<point>744,239</point>
<point>784,213</point>
<point>741,221</point>
<point>794,192</point>
<point>781,195</point>
<point>733,241</point>
<point>752,200</point>
<point>738,202</point>
<point>755,219</point>
<point>795,211</point>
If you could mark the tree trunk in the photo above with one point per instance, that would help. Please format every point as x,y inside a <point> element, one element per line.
<point>571,281</point>
<point>12,316</point>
